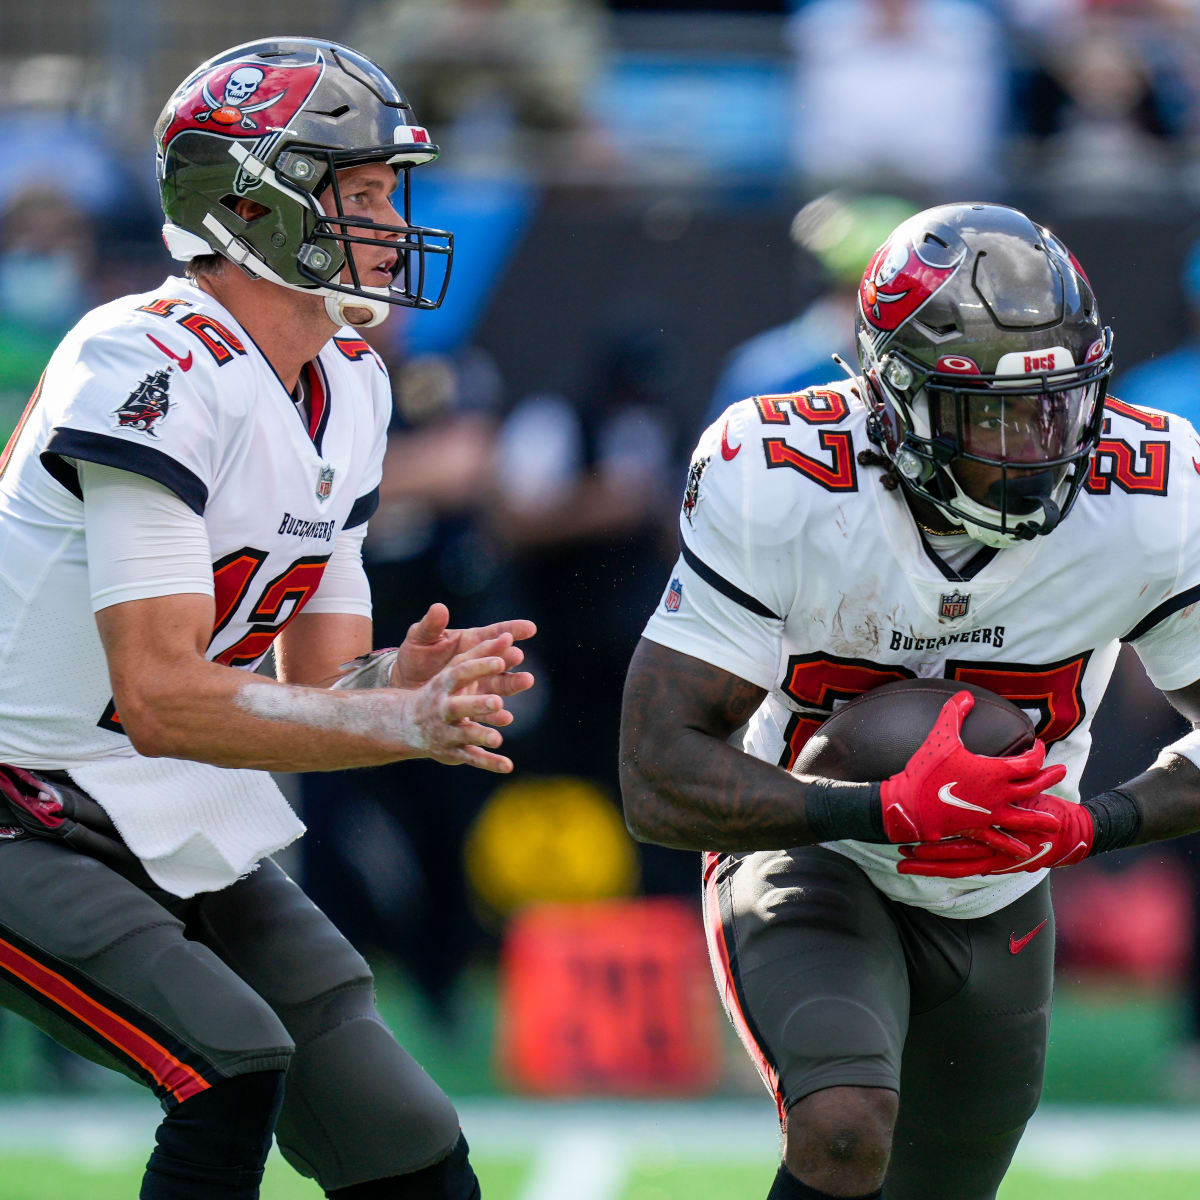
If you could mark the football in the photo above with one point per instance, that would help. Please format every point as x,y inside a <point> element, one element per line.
<point>875,735</point>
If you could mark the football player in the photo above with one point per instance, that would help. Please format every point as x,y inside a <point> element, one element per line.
<point>190,486</point>
<point>969,506</point>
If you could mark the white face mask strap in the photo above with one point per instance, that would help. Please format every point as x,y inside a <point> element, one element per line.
<point>1187,747</point>
<point>336,303</point>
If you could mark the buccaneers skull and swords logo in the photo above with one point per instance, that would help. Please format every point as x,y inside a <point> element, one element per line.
<point>233,107</point>
<point>238,99</point>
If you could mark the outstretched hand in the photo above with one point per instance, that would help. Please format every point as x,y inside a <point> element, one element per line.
<point>945,789</point>
<point>430,645</point>
<point>451,716</point>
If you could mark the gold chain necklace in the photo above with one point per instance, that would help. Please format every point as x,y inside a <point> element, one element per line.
<point>940,532</point>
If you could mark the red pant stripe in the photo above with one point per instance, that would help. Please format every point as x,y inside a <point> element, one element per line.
<point>160,1064</point>
<point>718,950</point>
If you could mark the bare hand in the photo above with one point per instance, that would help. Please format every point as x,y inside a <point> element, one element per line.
<point>451,717</point>
<point>429,645</point>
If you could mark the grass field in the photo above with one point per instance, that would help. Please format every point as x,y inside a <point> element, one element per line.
<point>1131,1146</point>
<point>28,1177</point>
<point>55,1150</point>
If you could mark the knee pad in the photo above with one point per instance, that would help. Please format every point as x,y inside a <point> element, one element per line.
<point>450,1179</point>
<point>358,1106</point>
<point>216,1142</point>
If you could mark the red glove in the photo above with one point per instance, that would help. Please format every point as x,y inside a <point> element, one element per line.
<point>962,856</point>
<point>945,789</point>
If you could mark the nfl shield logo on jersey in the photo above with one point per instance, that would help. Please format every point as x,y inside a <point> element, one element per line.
<point>324,483</point>
<point>954,605</point>
<point>674,596</point>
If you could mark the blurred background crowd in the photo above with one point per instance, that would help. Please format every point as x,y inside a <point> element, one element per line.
<point>659,208</point>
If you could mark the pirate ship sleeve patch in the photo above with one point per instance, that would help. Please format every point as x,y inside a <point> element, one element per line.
<point>141,404</point>
<point>68,444</point>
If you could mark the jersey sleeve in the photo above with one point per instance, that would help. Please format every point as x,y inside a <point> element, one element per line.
<point>344,587</point>
<point>142,540</point>
<point>727,596</point>
<point>1167,637</point>
<point>368,492</point>
<point>122,402</point>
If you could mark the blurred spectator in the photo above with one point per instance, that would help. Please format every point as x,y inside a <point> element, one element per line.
<point>47,260</point>
<point>588,507</point>
<point>896,91</point>
<point>47,257</point>
<point>47,121</point>
<point>502,83</point>
<point>1172,380</point>
<point>1104,91</point>
<point>836,235</point>
<point>383,856</point>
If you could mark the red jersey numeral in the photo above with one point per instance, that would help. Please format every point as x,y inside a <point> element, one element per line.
<point>1055,691</point>
<point>817,406</point>
<point>232,576</point>
<point>297,584</point>
<point>30,405</point>
<point>1114,462</point>
<point>164,306</point>
<point>839,475</point>
<point>822,681</point>
<point>220,342</point>
<point>1159,422</point>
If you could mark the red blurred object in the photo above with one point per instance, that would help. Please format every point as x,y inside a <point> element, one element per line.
<point>1136,922</point>
<point>613,997</point>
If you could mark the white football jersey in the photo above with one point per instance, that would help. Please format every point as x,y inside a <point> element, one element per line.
<point>800,573</point>
<point>169,386</point>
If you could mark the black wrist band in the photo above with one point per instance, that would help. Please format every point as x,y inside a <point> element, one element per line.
<point>1117,816</point>
<point>836,810</point>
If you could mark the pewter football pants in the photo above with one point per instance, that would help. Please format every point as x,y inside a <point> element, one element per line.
<point>178,994</point>
<point>830,984</point>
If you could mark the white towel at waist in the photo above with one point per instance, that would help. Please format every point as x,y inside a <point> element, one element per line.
<point>196,827</point>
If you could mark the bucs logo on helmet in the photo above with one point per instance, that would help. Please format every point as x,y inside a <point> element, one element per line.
<point>238,99</point>
<point>147,404</point>
<point>901,278</point>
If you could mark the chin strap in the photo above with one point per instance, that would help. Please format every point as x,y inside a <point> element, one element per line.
<point>339,306</point>
<point>1033,489</point>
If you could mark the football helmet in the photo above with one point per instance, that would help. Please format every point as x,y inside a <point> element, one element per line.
<point>985,366</point>
<point>275,120</point>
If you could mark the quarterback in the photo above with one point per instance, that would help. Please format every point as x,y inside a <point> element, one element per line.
<point>189,487</point>
<point>968,506</point>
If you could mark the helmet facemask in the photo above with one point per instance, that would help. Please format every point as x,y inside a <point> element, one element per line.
<point>414,285</point>
<point>1034,434</point>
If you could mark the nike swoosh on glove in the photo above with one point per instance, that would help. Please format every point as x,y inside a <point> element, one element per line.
<point>945,789</point>
<point>962,856</point>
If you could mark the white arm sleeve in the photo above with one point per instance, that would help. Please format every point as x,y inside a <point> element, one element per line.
<point>344,587</point>
<point>142,539</point>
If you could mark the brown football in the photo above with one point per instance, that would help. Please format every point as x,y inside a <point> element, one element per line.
<point>875,735</point>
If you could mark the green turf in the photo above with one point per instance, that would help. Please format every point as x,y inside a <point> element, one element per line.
<point>719,1181</point>
<point>30,1177</point>
<point>1110,1185</point>
<point>40,1177</point>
